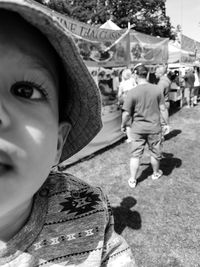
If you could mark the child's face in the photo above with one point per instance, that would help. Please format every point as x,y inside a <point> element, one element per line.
<point>30,136</point>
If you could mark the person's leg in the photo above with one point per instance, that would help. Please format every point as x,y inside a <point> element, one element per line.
<point>198,94</point>
<point>155,147</point>
<point>195,100</point>
<point>155,163</point>
<point>167,105</point>
<point>192,96</point>
<point>137,148</point>
<point>195,95</point>
<point>187,96</point>
<point>134,166</point>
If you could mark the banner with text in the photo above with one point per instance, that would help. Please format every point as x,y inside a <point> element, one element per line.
<point>98,46</point>
<point>112,48</point>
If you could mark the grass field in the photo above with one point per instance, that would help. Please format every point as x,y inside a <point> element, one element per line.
<point>159,219</point>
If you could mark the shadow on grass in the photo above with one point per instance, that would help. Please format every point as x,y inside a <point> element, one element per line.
<point>170,262</point>
<point>167,164</point>
<point>172,134</point>
<point>125,217</point>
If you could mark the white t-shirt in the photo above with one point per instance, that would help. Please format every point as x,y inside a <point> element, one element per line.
<point>126,85</point>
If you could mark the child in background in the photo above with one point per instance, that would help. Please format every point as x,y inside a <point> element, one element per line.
<point>49,109</point>
<point>126,85</point>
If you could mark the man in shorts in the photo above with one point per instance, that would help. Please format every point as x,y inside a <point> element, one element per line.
<point>144,105</point>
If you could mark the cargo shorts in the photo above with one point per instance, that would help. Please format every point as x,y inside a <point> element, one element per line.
<point>154,142</point>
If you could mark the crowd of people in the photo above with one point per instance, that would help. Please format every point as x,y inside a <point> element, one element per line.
<point>145,102</point>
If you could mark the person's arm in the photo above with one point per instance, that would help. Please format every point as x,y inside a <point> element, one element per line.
<point>125,118</point>
<point>163,109</point>
<point>164,113</point>
<point>164,86</point>
<point>127,110</point>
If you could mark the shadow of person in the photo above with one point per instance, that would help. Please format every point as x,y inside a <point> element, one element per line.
<point>125,217</point>
<point>145,173</point>
<point>167,164</point>
<point>172,134</point>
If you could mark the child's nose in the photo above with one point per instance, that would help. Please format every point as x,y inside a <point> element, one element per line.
<point>4,116</point>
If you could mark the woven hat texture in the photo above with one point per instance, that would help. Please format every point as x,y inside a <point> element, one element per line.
<point>84,109</point>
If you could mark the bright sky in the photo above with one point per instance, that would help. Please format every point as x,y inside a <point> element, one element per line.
<point>187,14</point>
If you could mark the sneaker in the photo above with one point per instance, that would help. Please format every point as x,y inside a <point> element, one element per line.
<point>132,182</point>
<point>157,175</point>
<point>165,130</point>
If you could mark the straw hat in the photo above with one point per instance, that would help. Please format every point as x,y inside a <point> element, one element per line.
<point>85,108</point>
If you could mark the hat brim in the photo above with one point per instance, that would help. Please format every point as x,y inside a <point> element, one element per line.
<point>84,109</point>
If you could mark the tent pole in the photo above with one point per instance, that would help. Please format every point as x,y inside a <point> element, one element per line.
<point>128,46</point>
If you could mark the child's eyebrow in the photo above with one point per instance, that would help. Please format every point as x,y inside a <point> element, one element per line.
<point>41,65</point>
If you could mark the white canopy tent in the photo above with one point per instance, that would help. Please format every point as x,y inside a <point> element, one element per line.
<point>109,25</point>
<point>178,55</point>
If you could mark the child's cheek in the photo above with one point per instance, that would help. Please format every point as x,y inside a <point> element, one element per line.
<point>36,135</point>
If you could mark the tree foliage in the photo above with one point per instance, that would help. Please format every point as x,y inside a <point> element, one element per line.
<point>147,16</point>
<point>61,6</point>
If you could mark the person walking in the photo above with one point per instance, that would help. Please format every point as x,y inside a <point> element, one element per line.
<point>144,105</point>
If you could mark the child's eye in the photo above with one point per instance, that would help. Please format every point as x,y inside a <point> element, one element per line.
<point>28,90</point>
